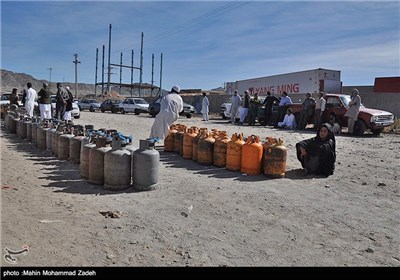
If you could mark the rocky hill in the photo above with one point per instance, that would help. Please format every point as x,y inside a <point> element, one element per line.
<point>10,80</point>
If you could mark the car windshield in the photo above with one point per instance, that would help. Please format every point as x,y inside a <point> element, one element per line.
<point>346,100</point>
<point>141,101</point>
<point>5,97</point>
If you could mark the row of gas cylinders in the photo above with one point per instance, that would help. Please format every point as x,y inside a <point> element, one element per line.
<point>235,153</point>
<point>106,157</point>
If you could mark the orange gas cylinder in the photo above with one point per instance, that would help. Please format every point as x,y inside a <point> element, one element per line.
<point>215,133</point>
<point>188,139</point>
<point>205,150</point>
<point>184,131</point>
<point>177,139</point>
<point>252,154</point>
<point>194,129</point>
<point>274,159</point>
<point>234,152</point>
<point>196,142</point>
<point>220,147</point>
<point>169,140</point>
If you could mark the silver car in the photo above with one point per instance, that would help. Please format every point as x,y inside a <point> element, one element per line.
<point>89,104</point>
<point>135,105</point>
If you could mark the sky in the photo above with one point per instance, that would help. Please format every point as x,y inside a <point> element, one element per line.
<point>203,43</point>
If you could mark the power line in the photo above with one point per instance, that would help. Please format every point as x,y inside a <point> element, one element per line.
<point>209,15</point>
<point>200,19</point>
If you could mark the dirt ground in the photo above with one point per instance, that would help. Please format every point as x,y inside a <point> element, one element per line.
<point>203,215</point>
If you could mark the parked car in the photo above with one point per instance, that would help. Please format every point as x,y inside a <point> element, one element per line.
<point>368,119</point>
<point>89,104</point>
<point>154,109</point>
<point>76,112</point>
<point>135,105</point>
<point>5,99</point>
<point>111,105</point>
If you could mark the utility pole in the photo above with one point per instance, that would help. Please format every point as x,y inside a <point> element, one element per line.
<point>50,74</point>
<point>76,74</point>
<point>109,61</point>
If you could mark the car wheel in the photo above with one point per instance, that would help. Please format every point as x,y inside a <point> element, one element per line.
<point>91,109</point>
<point>122,111</point>
<point>77,117</point>
<point>136,112</point>
<point>377,131</point>
<point>112,110</point>
<point>359,127</point>
<point>102,110</point>
<point>188,116</point>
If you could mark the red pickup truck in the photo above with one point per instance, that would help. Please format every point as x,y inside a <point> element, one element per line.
<point>371,119</point>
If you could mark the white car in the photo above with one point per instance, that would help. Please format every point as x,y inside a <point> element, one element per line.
<point>225,109</point>
<point>135,105</point>
<point>76,112</point>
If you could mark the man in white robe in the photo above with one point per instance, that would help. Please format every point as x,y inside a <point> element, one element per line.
<point>289,120</point>
<point>170,106</point>
<point>30,99</point>
<point>205,105</point>
<point>235,104</point>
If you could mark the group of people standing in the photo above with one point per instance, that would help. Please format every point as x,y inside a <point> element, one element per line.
<point>248,107</point>
<point>64,99</point>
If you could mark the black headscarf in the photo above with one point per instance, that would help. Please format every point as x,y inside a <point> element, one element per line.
<point>325,149</point>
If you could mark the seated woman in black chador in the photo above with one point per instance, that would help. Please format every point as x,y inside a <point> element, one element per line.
<point>318,154</point>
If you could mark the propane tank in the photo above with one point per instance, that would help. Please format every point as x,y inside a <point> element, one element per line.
<point>55,139</point>
<point>84,159</point>
<point>19,126</point>
<point>169,140</point>
<point>7,121</point>
<point>188,139</point>
<point>234,152</point>
<point>75,148</point>
<point>35,127</point>
<point>274,159</point>
<point>178,138</point>
<point>96,160</point>
<point>146,166</point>
<point>118,168</point>
<point>22,128</point>
<point>41,137</point>
<point>24,131</point>
<point>13,125</point>
<point>29,131</point>
<point>252,153</point>
<point>205,149</point>
<point>49,138</point>
<point>200,134</point>
<point>220,147</point>
<point>63,146</point>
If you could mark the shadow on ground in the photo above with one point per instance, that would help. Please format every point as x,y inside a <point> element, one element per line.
<point>65,175</point>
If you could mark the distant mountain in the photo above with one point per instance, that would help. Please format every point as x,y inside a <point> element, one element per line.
<point>10,80</point>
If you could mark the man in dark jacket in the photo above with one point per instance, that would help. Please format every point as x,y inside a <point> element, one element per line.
<point>268,103</point>
<point>14,97</point>
<point>308,109</point>
<point>62,97</point>
<point>45,102</point>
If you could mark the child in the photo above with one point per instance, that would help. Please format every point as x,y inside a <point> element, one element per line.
<point>337,129</point>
